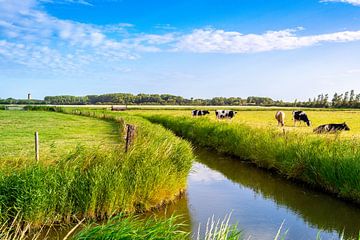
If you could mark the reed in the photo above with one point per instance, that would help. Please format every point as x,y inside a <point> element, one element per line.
<point>132,227</point>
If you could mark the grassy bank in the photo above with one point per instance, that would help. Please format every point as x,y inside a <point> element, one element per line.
<point>330,162</point>
<point>122,227</point>
<point>96,180</point>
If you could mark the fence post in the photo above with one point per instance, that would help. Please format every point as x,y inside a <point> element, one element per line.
<point>130,135</point>
<point>37,146</point>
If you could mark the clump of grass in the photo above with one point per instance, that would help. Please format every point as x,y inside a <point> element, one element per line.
<point>134,228</point>
<point>17,229</point>
<point>328,163</point>
<point>219,230</point>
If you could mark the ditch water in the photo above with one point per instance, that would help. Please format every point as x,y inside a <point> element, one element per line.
<point>260,202</point>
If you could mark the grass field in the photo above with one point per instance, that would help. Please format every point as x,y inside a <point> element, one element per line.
<point>59,135</point>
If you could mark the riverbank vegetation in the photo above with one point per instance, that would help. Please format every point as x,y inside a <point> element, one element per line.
<point>328,162</point>
<point>94,179</point>
<point>152,228</point>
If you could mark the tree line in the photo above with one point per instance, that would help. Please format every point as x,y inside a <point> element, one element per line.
<point>155,99</point>
<point>348,99</point>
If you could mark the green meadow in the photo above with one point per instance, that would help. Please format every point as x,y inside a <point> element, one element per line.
<point>59,135</point>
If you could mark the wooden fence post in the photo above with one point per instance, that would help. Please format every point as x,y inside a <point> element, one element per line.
<point>37,146</point>
<point>130,135</point>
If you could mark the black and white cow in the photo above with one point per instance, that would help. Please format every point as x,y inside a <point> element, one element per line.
<point>301,116</point>
<point>332,128</point>
<point>200,112</point>
<point>221,114</point>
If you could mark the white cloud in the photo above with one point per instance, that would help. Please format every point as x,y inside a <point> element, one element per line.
<point>200,173</point>
<point>25,27</point>
<point>41,57</point>
<point>165,26</point>
<point>154,39</point>
<point>83,2</point>
<point>220,41</point>
<point>40,40</point>
<point>353,2</point>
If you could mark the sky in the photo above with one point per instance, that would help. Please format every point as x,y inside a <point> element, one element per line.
<point>283,49</point>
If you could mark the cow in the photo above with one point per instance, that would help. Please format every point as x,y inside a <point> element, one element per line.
<point>221,114</point>
<point>332,128</point>
<point>200,112</point>
<point>280,117</point>
<point>301,116</point>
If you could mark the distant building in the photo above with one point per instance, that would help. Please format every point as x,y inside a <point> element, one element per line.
<point>29,96</point>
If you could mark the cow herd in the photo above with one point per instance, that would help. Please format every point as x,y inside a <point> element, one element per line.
<point>298,116</point>
<point>220,114</point>
<point>301,116</point>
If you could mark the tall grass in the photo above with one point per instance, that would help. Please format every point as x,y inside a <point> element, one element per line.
<point>152,228</point>
<point>332,164</point>
<point>132,227</point>
<point>219,230</point>
<point>99,182</point>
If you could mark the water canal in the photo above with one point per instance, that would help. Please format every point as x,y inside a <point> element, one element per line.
<point>261,201</point>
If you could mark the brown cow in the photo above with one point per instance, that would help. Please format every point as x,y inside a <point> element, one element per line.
<point>280,117</point>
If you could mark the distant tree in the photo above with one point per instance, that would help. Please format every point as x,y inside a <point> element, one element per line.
<point>352,98</point>
<point>326,101</point>
<point>336,100</point>
<point>345,101</point>
<point>357,101</point>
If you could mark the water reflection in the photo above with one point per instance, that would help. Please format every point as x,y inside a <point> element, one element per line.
<point>261,201</point>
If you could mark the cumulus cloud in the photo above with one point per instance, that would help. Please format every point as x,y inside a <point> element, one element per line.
<point>220,41</point>
<point>26,28</point>
<point>41,57</point>
<point>353,2</point>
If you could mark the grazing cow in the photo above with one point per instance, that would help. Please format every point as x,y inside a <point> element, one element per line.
<point>200,112</point>
<point>331,128</point>
<point>301,116</point>
<point>221,114</point>
<point>280,117</point>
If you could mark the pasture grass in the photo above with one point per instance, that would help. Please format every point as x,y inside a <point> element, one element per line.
<point>96,181</point>
<point>59,134</point>
<point>266,118</point>
<point>330,162</point>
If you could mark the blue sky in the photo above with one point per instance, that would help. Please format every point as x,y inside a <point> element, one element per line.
<point>283,49</point>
